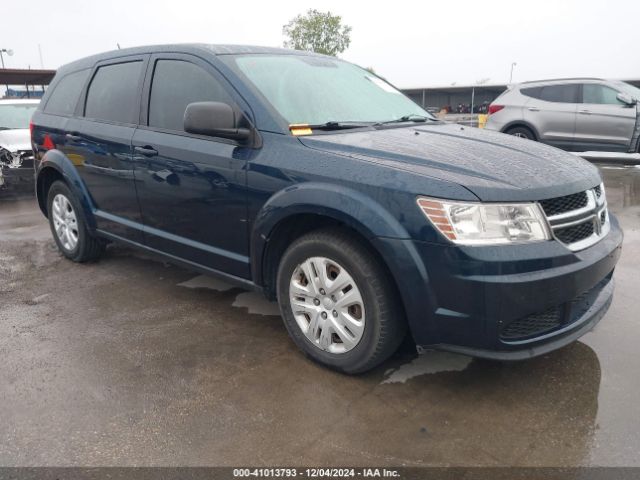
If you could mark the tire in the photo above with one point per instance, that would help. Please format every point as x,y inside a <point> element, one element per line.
<point>364,323</point>
<point>68,225</point>
<point>521,132</point>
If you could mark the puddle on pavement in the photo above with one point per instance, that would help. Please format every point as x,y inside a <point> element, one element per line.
<point>428,363</point>
<point>254,302</point>
<point>622,185</point>
<point>204,281</point>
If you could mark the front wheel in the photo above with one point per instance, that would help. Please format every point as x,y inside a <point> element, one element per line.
<point>68,226</point>
<point>338,303</point>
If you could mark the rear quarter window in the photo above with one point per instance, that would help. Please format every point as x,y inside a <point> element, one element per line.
<point>64,97</point>
<point>113,93</point>
<point>533,92</point>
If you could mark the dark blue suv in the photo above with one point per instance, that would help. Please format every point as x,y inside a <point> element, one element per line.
<point>318,183</point>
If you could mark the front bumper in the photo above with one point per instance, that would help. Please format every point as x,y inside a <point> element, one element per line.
<point>553,339</point>
<point>470,298</point>
<point>18,179</point>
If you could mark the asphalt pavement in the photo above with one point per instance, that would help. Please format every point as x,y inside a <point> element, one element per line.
<point>132,361</point>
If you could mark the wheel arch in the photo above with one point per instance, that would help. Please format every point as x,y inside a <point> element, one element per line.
<point>522,123</point>
<point>56,166</point>
<point>310,206</point>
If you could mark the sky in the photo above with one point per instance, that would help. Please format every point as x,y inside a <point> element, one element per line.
<point>411,43</point>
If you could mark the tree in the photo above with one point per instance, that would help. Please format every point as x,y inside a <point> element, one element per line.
<point>317,32</point>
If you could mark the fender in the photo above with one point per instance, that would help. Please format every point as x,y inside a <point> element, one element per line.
<point>346,205</point>
<point>360,212</point>
<point>58,161</point>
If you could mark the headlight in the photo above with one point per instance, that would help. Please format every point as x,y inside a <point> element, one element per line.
<point>486,223</point>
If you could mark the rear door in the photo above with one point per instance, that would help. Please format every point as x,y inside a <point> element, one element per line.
<point>552,111</point>
<point>98,140</point>
<point>604,123</point>
<point>191,188</point>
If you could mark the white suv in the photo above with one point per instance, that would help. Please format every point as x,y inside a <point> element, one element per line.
<point>578,114</point>
<point>16,156</point>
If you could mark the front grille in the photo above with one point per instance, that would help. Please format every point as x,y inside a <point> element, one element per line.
<point>533,325</point>
<point>578,220</point>
<point>553,318</point>
<point>558,205</point>
<point>575,233</point>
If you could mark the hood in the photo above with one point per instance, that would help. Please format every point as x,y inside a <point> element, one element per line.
<point>493,166</point>
<point>16,139</point>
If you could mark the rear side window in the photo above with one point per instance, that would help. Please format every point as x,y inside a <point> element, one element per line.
<point>599,94</point>
<point>553,93</point>
<point>64,98</point>
<point>113,93</point>
<point>175,85</point>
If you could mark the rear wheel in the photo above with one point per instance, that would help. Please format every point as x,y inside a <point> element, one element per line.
<point>521,132</point>
<point>338,303</point>
<point>68,226</point>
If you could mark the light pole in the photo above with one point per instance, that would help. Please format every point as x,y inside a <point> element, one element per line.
<point>473,91</point>
<point>8,52</point>
<point>511,75</point>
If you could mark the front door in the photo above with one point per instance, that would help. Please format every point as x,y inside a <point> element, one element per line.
<point>604,123</point>
<point>191,188</point>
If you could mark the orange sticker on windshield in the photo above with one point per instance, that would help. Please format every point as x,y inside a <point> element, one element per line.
<point>300,129</point>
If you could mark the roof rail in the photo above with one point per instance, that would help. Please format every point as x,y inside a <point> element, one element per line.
<point>563,79</point>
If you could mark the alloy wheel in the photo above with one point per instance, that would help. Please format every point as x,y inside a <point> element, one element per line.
<point>65,222</point>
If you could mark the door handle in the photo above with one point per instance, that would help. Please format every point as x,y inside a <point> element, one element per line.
<point>534,109</point>
<point>74,137</point>
<point>585,112</point>
<point>147,151</point>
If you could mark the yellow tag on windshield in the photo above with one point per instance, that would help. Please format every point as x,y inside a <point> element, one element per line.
<point>300,129</point>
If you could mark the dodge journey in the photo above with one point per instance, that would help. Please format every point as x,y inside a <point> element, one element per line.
<point>320,184</point>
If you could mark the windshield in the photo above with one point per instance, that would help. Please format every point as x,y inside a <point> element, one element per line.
<point>628,89</point>
<point>16,115</point>
<point>316,90</point>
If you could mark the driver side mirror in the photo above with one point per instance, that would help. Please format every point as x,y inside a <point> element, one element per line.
<point>628,100</point>
<point>214,119</point>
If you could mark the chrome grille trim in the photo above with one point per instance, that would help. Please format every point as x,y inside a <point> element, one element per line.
<point>592,212</point>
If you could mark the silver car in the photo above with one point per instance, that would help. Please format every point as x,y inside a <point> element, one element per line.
<point>578,114</point>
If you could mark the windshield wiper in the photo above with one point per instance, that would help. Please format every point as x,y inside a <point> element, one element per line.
<point>414,117</point>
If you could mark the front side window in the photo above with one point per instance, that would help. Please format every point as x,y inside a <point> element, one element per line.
<point>64,97</point>
<point>315,90</point>
<point>16,115</point>
<point>175,85</point>
<point>599,94</point>
<point>113,93</point>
